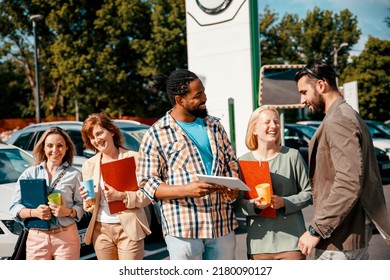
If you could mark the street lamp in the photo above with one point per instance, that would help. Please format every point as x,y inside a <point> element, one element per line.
<point>35,19</point>
<point>334,53</point>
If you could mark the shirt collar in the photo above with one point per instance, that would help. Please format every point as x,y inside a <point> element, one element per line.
<point>42,165</point>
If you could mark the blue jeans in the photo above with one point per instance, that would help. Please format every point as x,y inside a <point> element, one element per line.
<point>358,254</point>
<point>221,248</point>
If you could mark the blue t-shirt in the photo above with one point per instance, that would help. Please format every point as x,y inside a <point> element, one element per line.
<point>196,130</point>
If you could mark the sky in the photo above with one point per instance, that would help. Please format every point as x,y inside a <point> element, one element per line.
<point>370,14</point>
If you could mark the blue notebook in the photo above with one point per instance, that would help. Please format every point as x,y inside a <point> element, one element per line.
<point>34,193</point>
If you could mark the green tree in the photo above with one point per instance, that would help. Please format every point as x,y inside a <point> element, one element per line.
<point>101,53</point>
<point>269,35</point>
<point>297,41</point>
<point>371,70</point>
<point>12,89</point>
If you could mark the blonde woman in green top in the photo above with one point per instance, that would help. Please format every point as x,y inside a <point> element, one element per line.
<point>277,238</point>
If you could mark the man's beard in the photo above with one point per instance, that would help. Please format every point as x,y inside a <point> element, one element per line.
<point>318,104</point>
<point>198,113</point>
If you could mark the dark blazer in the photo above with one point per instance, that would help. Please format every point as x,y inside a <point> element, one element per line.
<point>345,180</point>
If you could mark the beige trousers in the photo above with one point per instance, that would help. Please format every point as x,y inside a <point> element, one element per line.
<point>112,243</point>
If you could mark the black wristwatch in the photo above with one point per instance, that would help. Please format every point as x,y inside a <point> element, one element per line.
<point>312,231</point>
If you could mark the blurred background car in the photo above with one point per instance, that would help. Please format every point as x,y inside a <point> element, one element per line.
<point>380,133</point>
<point>26,138</point>
<point>132,131</point>
<point>298,136</point>
<point>378,129</point>
<point>13,161</point>
<point>315,124</point>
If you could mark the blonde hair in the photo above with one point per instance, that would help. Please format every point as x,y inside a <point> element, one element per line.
<point>250,138</point>
<point>39,149</point>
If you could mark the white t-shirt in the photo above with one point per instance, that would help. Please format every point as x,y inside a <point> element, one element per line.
<point>104,215</point>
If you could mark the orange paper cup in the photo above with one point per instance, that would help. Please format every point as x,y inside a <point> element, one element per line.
<point>264,192</point>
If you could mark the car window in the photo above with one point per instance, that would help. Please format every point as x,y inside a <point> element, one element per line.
<point>292,134</point>
<point>375,133</point>
<point>131,143</point>
<point>133,138</point>
<point>77,140</point>
<point>308,131</point>
<point>23,141</point>
<point>12,164</point>
<point>382,126</point>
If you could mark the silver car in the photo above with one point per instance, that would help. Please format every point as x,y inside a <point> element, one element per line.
<point>13,161</point>
<point>132,131</point>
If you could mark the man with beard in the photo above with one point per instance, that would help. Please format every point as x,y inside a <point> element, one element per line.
<point>346,184</point>
<point>197,218</point>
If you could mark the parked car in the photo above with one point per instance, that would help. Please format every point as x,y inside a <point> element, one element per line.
<point>378,129</point>
<point>315,124</point>
<point>132,131</point>
<point>27,137</point>
<point>380,133</point>
<point>298,136</point>
<point>13,161</point>
<point>384,165</point>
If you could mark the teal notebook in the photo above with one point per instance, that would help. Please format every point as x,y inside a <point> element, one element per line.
<point>34,193</point>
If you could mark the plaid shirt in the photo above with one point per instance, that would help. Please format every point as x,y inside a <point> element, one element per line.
<point>167,155</point>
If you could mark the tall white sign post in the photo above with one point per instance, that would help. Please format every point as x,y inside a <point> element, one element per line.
<point>222,51</point>
<point>351,94</point>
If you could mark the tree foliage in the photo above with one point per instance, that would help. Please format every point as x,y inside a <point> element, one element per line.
<point>372,71</point>
<point>12,88</point>
<point>297,41</point>
<point>101,53</point>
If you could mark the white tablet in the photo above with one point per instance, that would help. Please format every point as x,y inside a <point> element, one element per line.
<point>230,182</point>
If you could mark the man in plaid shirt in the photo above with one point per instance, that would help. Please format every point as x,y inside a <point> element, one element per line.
<point>197,218</point>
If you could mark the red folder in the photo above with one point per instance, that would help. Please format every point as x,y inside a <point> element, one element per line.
<point>120,174</point>
<point>252,174</point>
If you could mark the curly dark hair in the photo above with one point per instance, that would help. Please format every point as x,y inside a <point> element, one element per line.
<point>176,84</point>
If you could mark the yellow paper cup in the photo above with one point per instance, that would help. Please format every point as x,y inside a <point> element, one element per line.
<point>264,192</point>
<point>55,198</point>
